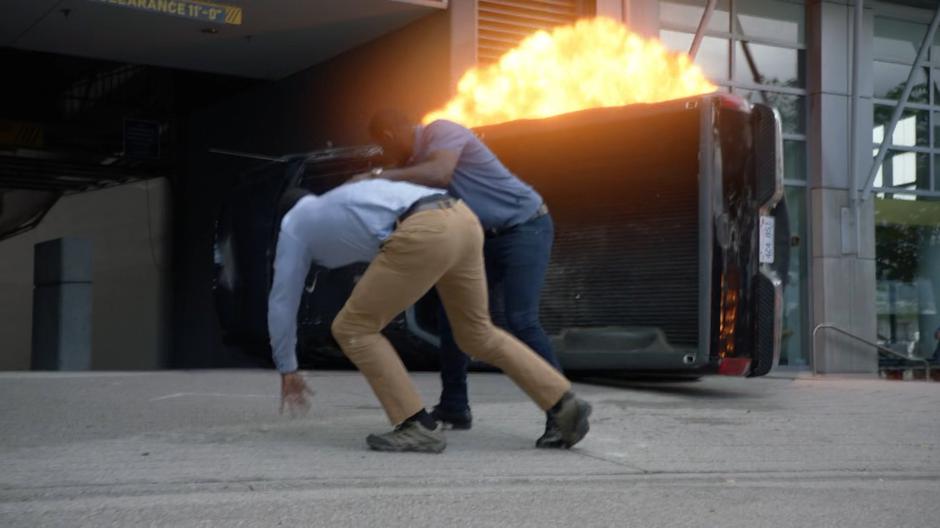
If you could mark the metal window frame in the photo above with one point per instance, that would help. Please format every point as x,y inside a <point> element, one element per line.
<point>902,62</point>
<point>919,62</point>
<point>734,36</point>
<point>775,88</point>
<point>906,148</point>
<point>932,107</point>
<point>885,11</point>
<point>891,145</point>
<point>910,67</point>
<point>734,32</point>
<point>891,9</point>
<point>727,35</point>
<point>910,106</point>
<point>906,192</point>
<point>702,26</point>
<point>926,65</point>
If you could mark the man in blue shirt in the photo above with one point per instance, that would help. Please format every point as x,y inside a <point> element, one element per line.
<point>519,234</point>
<point>416,238</point>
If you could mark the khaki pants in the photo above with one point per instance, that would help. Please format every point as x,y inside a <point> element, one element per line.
<point>442,247</point>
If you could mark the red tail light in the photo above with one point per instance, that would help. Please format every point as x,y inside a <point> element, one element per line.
<point>734,366</point>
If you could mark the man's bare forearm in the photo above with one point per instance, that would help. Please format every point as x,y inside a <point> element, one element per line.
<point>435,171</point>
<point>427,174</point>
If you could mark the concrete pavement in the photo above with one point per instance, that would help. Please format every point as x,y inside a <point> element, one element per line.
<point>209,449</point>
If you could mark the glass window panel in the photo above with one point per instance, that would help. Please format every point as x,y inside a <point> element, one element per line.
<point>907,268</point>
<point>936,173</point>
<point>794,160</point>
<point>793,352</point>
<point>676,40</point>
<point>935,74</point>
<point>906,170</point>
<point>761,64</point>
<point>912,129</point>
<point>792,108</point>
<point>688,14</point>
<point>897,39</point>
<point>772,19</point>
<point>713,56</point>
<point>936,129</point>
<point>890,79</point>
<point>935,50</point>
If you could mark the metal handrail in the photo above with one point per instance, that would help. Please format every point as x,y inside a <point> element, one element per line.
<point>880,348</point>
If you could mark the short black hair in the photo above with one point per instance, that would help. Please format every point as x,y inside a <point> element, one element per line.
<point>388,119</point>
<point>289,199</point>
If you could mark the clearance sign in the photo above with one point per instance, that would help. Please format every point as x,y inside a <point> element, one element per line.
<point>191,9</point>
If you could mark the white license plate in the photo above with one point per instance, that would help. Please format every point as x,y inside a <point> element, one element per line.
<point>766,247</point>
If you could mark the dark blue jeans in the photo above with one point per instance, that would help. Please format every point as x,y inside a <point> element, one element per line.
<point>516,262</point>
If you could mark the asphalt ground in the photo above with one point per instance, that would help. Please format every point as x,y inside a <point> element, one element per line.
<point>208,448</point>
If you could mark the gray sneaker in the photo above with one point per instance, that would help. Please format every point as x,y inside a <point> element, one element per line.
<point>572,419</point>
<point>551,439</point>
<point>409,436</point>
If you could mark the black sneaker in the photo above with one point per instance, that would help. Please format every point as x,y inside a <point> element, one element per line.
<point>551,439</point>
<point>571,414</point>
<point>409,436</point>
<point>453,420</point>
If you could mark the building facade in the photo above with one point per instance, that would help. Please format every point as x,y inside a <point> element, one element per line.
<point>865,250</point>
<point>866,239</point>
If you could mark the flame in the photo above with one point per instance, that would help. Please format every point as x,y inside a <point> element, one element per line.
<point>593,63</point>
<point>727,320</point>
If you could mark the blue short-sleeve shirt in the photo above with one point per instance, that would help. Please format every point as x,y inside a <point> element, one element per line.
<point>496,195</point>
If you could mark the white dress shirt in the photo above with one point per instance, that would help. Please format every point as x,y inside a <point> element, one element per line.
<point>341,227</point>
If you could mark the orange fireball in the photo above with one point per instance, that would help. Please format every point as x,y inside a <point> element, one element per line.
<point>594,63</point>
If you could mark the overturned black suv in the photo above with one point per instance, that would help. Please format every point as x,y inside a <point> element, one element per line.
<point>671,241</point>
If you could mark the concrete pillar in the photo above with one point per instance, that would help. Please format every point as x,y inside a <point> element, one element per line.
<point>62,278</point>
<point>610,8</point>
<point>642,16</point>
<point>842,282</point>
<point>463,39</point>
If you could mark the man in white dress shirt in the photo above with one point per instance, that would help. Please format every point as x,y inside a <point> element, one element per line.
<point>416,238</point>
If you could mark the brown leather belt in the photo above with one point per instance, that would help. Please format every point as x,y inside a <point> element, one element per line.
<point>434,201</point>
<point>495,232</point>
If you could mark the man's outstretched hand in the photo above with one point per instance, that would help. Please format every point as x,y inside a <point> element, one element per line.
<point>295,395</point>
